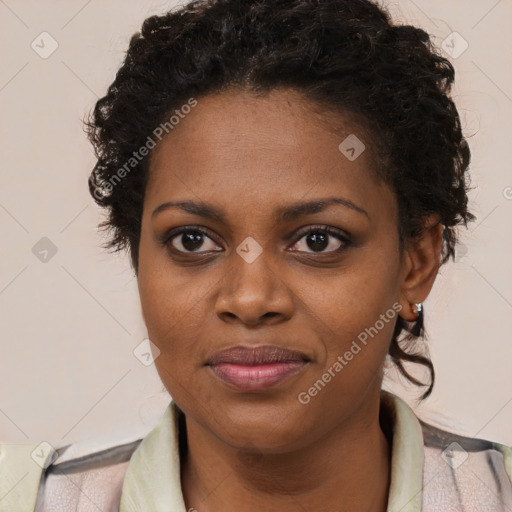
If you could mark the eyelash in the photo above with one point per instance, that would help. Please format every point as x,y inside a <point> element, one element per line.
<point>339,235</point>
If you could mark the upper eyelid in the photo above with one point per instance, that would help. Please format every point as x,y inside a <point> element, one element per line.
<point>323,227</point>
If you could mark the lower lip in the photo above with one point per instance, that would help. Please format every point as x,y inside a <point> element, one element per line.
<point>258,377</point>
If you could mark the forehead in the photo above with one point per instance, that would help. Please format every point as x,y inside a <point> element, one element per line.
<point>262,151</point>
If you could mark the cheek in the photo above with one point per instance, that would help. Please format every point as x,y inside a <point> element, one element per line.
<point>171,321</point>
<point>175,310</point>
<point>366,317</point>
<point>164,299</point>
<point>354,313</point>
<point>161,306</point>
<point>171,312</point>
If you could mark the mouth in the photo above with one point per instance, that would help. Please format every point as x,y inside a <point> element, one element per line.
<point>256,368</point>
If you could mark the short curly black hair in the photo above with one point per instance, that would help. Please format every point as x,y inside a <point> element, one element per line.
<point>346,55</point>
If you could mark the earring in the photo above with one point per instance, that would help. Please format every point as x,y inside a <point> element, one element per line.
<point>418,323</point>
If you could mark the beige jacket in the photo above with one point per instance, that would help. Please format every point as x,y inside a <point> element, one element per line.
<point>431,471</point>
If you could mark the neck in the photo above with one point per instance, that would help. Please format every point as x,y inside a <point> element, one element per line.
<point>348,469</point>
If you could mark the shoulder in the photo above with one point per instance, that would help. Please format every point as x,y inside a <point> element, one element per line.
<point>96,477</point>
<point>465,473</point>
<point>42,479</point>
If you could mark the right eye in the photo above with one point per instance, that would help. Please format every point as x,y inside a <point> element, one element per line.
<point>189,240</point>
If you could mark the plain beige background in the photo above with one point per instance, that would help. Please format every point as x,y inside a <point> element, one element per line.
<point>69,324</point>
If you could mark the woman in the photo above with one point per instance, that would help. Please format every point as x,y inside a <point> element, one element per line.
<point>288,177</point>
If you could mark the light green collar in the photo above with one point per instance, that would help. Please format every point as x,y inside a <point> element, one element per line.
<point>405,491</point>
<point>152,480</point>
<point>21,469</point>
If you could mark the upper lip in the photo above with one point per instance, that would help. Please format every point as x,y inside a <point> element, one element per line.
<point>250,356</point>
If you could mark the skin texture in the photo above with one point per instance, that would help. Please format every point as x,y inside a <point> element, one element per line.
<point>249,156</point>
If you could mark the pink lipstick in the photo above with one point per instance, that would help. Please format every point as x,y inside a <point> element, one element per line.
<point>256,368</point>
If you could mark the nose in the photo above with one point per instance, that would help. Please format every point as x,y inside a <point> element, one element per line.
<point>253,293</point>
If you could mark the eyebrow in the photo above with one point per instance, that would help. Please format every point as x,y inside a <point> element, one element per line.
<point>285,213</point>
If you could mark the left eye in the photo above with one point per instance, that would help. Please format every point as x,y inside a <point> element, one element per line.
<point>319,239</point>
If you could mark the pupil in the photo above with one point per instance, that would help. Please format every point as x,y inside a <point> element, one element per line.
<point>319,239</point>
<point>192,240</point>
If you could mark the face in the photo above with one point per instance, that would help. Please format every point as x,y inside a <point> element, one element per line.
<point>272,267</point>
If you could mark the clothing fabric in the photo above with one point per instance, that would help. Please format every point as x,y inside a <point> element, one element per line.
<point>432,470</point>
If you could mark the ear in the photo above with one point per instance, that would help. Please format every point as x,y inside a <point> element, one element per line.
<point>422,260</point>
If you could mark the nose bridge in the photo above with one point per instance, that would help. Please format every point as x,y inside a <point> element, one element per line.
<point>252,287</point>
<point>250,267</point>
